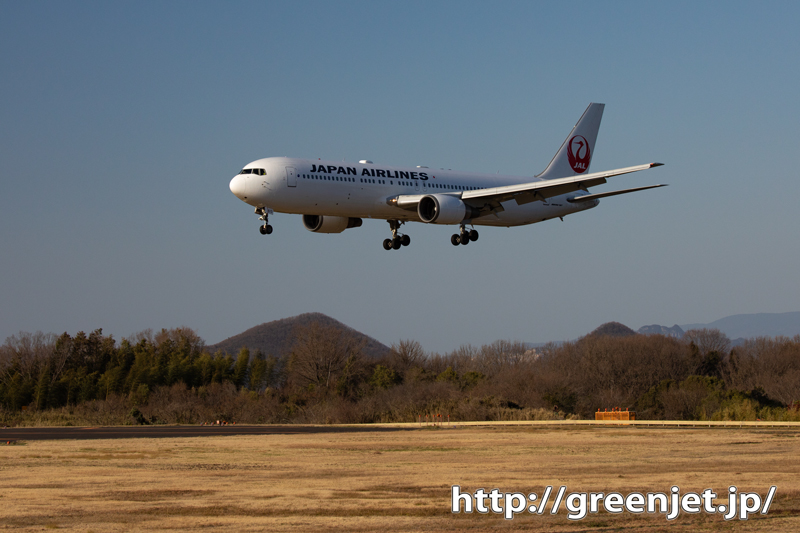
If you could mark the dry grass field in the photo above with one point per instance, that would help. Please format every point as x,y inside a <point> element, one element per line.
<point>396,481</point>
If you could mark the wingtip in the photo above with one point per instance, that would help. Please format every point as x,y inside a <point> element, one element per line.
<point>656,165</point>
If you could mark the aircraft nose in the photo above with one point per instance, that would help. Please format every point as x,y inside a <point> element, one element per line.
<point>239,186</point>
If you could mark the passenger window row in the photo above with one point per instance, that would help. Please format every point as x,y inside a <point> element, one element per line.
<point>383,182</point>
<point>327,178</point>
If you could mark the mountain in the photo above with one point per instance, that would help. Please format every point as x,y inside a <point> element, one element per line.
<point>613,329</point>
<point>754,325</point>
<point>276,337</point>
<point>655,329</point>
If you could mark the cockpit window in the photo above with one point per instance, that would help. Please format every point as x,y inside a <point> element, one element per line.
<point>262,172</point>
<point>246,171</point>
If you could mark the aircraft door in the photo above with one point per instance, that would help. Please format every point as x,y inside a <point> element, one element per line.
<point>416,185</point>
<point>291,176</point>
<point>424,187</point>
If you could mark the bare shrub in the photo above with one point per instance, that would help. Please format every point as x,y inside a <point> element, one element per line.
<point>684,401</point>
<point>173,404</point>
<point>108,412</point>
<point>406,402</point>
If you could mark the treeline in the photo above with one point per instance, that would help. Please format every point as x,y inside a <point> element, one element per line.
<point>170,377</point>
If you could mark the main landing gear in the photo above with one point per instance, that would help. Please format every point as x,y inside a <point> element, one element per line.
<point>266,229</point>
<point>397,240</point>
<point>464,237</point>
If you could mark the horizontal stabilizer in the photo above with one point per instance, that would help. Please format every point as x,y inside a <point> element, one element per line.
<point>588,197</point>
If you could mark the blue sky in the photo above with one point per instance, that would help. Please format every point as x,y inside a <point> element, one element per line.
<point>122,124</point>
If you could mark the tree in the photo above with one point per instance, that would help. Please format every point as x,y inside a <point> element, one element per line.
<point>406,355</point>
<point>262,371</point>
<point>240,368</point>
<point>708,340</point>
<point>708,350</point>
<point>182,336</point>
<point>384,377</point>
<point>501,355</point>
<point>25,353</point>
<point>324,356</point>
<point>449,375</point>
<point>42,388</point>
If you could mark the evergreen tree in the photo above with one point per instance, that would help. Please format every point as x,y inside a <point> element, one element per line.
<point>240,369</point>
<point>258,372</point>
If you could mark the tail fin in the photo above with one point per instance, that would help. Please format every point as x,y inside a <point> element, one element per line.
<point>576,152</point>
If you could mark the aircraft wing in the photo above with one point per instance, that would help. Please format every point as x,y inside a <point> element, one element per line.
<point>489,200</point>
<point>525,193</point>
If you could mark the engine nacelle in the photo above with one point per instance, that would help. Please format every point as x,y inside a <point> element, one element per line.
<point>444,209</point>
<point>328,224</point>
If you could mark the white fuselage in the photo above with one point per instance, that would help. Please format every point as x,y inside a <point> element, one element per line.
<point>362,190</point>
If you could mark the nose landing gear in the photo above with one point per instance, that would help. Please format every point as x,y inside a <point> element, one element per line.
<point>464,237</point>
<point>265,229</point>
<point>397,240</point>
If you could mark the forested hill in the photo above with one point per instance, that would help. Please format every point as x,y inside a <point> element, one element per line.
<point>613,329</point>
<point>276,337</point>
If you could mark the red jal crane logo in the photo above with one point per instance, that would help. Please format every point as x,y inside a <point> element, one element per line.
<point>579,154</point>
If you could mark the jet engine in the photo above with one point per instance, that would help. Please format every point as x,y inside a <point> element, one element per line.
<point>444,209</point>
<point>328,224</point>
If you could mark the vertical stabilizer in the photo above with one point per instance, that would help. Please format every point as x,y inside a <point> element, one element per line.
<point>576,152</point>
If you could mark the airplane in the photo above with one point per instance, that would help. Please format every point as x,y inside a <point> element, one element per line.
<point>334,196</point>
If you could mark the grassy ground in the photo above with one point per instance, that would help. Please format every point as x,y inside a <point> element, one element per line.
<point>396,481</point>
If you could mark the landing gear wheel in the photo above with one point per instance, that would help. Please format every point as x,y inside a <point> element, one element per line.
<point>397,241</point>
<point>464,238</point>
<point>473,235</point>
<point>455,240</point>
<point>264,213</point>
